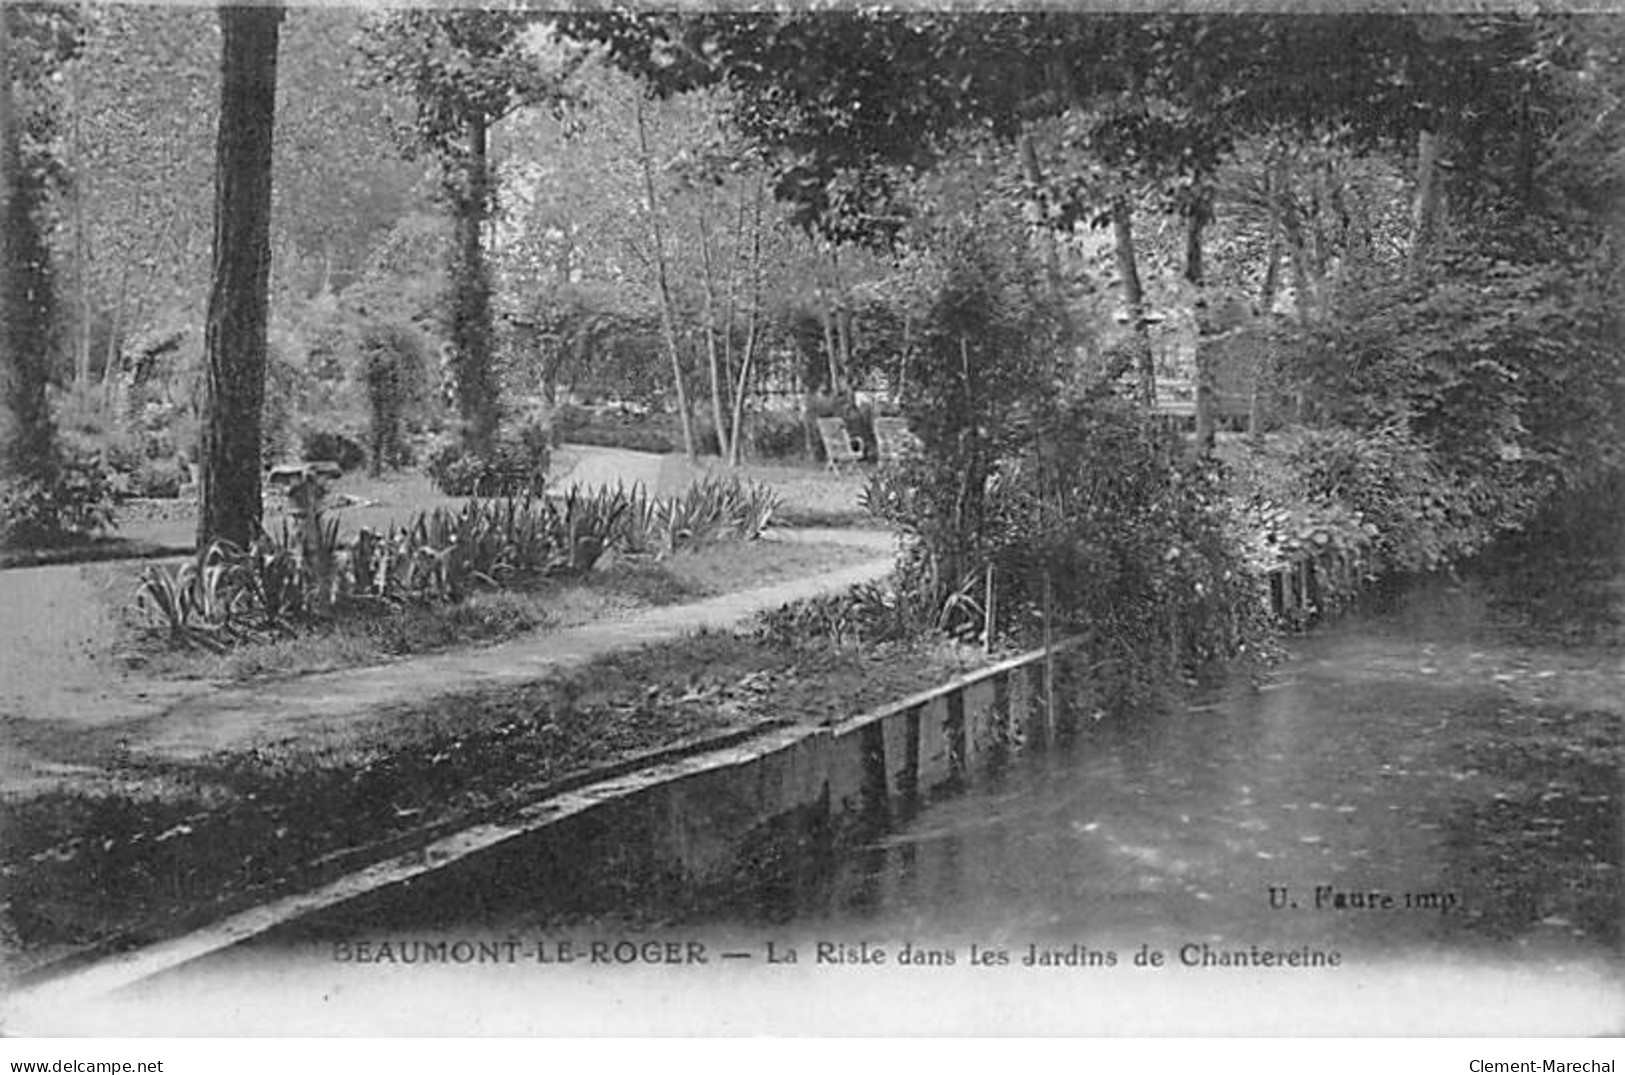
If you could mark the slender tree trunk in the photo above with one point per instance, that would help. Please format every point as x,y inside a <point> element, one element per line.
<point>110,358</point>
<point>471,322</point>
<point>713,359</point>
<point>1425,206</point>
<point>846,325</point>
<point>730,316</point>
<point>1292,232</point>
<point>1320,203</point>
<point>842,317</point>
<point>110,367</point>
<point>234,338</point>
<point>827,318</point>
<point>1304,292</point>
<point>1035,176</point>
<point>668,324</point>
<point>1266,305</point>
<point>1205,389</point>
<point>753,318</point>
<point>1128,269</point>
<point>1528,153</point>
<point>899,392</point>
<point>1272,264</point>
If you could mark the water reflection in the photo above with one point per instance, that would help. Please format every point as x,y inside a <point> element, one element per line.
<point>1412,781</point>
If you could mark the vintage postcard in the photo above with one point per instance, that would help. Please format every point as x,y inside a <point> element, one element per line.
<point>811,521</point>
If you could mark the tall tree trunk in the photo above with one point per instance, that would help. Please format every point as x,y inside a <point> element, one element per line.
<point>471,323</point>
<point>1128,268</point>
<point>13,387</point>
<point>1195,221</point>
<point>81,252</point>
<point>234,339</point>
<point>668,324</point>
<point>27,436</point>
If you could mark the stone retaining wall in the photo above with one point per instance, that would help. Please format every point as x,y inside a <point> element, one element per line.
<point>750,817</point>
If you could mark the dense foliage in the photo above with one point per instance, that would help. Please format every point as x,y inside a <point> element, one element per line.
<point>303,573</point>
<point>1030,515</point>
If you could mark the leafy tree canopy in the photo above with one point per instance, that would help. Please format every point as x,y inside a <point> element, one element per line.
<point>848,101</point>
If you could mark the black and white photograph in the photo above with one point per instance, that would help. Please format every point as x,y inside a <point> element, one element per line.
<point>813,521</point>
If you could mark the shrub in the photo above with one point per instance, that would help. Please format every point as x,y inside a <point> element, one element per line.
<point>28,513</point>
<point>567,420</point>
<point>201,598</point>
<point>393,365</point>
<point>332,446</point>
<point>1139,546</point>
<point>531,436</point>
<point>866,613</point>
<point>452,469</point>
<point>981,375</point>
<point>715,508</point>
<point>75,501</point>
<point>776,435</point>
<point>158,477</point>
<point>586,524</point>
<point>1382,490</point>
<point>515,466</point>
<point>628,434</point>
<point>656,433</point>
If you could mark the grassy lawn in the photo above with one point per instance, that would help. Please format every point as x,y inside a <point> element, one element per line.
<point>812,496</point>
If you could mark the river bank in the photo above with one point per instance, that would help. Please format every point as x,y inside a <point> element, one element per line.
<point>1415,822</point>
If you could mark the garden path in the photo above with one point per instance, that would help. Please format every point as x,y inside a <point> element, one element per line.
<point>92,719</point>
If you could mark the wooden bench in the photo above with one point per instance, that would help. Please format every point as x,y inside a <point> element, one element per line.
<point>893,439</point>
<point>839,446</point>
